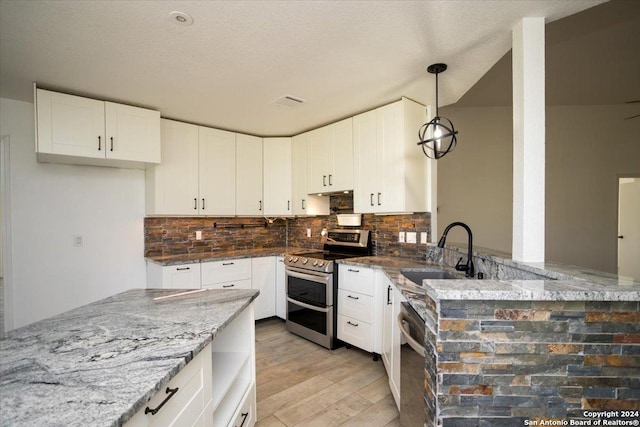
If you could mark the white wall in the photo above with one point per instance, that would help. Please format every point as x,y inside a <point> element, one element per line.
<point>52,203</point>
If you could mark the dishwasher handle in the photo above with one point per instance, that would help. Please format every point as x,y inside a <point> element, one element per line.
<point>415,345</point>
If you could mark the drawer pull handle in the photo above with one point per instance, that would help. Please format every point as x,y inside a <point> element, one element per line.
<point>388,295</point>
<point>349,296</point>
<point>227,263</point>
<point>111,143</point>
<point>228,286</point>
<point>170,392</point>
<point>183,268</point>
<point>352,324</point>
<point>244,418</point>
<point>354,271</point>
<point>99,143</point>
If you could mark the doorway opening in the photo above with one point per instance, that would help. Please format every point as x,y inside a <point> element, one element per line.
<point>629,227</point>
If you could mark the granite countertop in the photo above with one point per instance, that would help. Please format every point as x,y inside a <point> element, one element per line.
<point>179,259</point>
<point>98,364</point>
<point>573,283</point>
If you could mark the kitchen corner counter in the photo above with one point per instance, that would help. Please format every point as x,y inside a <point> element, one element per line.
<point>99,364</point>
<point>180,259</point>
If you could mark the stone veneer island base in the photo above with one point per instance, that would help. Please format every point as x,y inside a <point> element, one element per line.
<point>532,352</point>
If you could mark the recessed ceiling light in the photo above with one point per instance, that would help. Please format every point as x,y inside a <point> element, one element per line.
<point>180,18</point>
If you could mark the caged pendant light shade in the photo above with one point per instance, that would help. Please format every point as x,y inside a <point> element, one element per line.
<point>438,136</point>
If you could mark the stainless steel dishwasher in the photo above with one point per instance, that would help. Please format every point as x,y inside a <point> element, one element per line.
<point>412,355</point>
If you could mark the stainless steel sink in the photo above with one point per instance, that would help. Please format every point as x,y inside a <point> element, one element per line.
<point>417,276</point>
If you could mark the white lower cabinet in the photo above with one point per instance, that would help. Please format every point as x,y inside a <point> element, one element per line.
<point>396,341</point>
<point>227,274</point>
<point>183,276</point>
<point>263,278</point>
<point>217,388</point>
<point>359,307</point>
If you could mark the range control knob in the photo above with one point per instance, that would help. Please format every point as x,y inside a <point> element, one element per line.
<point>315,263</point>
<point>304,261</point>
<point>320,264</point>
<point>290,258</point>
<point>295,259</point>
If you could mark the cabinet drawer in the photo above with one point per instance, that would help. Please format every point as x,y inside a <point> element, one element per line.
<point>192,387</point>
<point>246,414</point>
<point>225,271</point>
<point>355,305</point>
<point>181,276</point>
<point>356,279</point>
<point>235,284</point>
<point>355,332</point>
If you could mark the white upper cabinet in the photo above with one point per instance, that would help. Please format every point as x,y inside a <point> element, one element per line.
<point>172,186</point>
<point>197,174</point>
<point>303,203</point>
<point>132,133</point>
<point>391,174</point>
<point>330,158</point>
<point>73,129</point>
<point>249,199</point>
<point>217,172</point>
<point>277,176</point>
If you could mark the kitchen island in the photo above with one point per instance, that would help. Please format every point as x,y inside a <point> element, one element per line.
<point>530,343</point>
<point>98,365</point>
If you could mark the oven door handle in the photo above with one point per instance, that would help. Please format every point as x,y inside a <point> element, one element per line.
<point>309,306</point>
<point>320,278</point>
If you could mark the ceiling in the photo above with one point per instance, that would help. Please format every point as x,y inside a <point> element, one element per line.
<point>592,58</point>
<point>225,70</point>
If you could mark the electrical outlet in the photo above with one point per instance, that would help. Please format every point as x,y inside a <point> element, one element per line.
<point>308,232</point>
<point>77,241</point>
<point>423,237</point>
<point>411,237</point>
<point>401,237</point>
<point>198,235</point>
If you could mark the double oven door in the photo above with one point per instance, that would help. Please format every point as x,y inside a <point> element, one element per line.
<point>310,305</point>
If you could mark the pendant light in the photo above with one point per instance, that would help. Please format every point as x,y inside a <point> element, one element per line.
<point>438,136</point>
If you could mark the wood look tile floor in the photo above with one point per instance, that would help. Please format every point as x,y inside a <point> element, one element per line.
<point>300,383</point>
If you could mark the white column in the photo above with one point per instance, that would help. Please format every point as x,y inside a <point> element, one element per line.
<point>528,140</point>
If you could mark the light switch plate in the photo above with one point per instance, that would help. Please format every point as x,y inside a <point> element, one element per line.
<point>198,235</point>
<point>411,237</point>
<point>401,237</point>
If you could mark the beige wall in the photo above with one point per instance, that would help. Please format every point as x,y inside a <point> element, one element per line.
<point>475,180</point>
<point>587,149</point>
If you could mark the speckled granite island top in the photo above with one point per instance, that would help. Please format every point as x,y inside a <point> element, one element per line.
<point>97,365</point>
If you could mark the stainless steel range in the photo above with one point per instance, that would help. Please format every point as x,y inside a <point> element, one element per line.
<point>312,285</point>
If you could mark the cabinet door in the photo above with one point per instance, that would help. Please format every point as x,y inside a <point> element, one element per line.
<point>277,176</point>
<point>319,156</point>
<point>217,172</point>
<point>387,319</point>
<point>132,133</point>
<point>394,374</point>
<point>263,277</point>
<point>172,186</point>
<point>391,164</point>
<point>249,175</point>
<point>366,170</point>
<point>281,289</point>
<point>341,172</point>
<point>70,125</point>
<point>299,174</point>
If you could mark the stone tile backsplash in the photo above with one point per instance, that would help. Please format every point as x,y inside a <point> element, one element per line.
<point>176,235</point>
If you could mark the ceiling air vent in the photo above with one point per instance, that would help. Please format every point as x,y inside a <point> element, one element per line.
<point>288,101</point>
